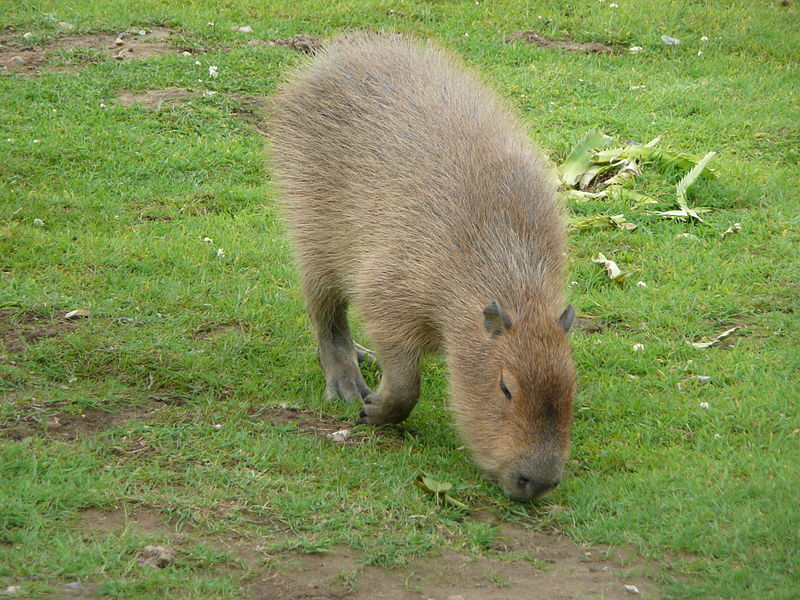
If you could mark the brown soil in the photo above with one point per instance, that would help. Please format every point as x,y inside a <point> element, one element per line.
<point>14,57</point>
<point>530,37</point>
<point>47,420</point>
<point>20,328</point>
<point>156,99</point>
<point>251,109</point>
<point>308,44</point>
<point>308,423</point>
<point>524,564</point>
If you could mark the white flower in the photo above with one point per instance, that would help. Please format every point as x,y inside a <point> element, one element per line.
<point>38,223</point>
<point>102,105</point>
<point>635,49</point>
<point>613,5</point>
<point>186,53</point>
<point>212,72</point>
<point>210,23</point>
<point>220,253</point>
<point>699,53</point>
<point>27,35</point>
<point>638,347</point>
<point>641,284</point>
<point>573,283</point>
<point>704,405</point>
<point>208,240</point>
<point>704,38</point>
<point>466,35</point>
<point>36,141</point>
<point>197,63</point>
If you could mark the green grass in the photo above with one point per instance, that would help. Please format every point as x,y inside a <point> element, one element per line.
<point>126,196</point>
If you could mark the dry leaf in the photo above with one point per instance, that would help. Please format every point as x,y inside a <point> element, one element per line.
<point>707,343</point>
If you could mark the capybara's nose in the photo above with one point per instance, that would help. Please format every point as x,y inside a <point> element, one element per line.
<point>529,487</point>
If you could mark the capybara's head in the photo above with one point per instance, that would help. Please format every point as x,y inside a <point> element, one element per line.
<point>514,402</point>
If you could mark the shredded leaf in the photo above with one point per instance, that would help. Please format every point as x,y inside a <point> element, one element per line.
<point>579,196</point>
<point>707,343</point>
<point>616,221</point>
<point>618,193</point>
<point>689,179</point>
<point>578,160</point>
<point>612,270</point>
<point>735,228</point>
<point>666,158</point>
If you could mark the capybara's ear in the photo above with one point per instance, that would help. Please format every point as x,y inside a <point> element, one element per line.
<point>495,319</point>
<point>567,317</point>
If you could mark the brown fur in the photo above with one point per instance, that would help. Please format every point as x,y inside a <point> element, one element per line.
<point>411,191</point>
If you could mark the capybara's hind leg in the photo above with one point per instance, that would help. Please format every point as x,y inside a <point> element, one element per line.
<point>337,353</point>
<point>398,391</point>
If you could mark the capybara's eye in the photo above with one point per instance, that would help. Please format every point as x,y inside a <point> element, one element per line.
<point>505,390</point>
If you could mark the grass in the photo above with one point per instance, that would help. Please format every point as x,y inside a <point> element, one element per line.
<point>126,195</point>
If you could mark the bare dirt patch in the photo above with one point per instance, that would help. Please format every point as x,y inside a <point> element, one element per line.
<point>20,328</point>
<point>156,99</point>
<point>18,58</point>
<point>307,44</point>
<point>530,37</point>
<point>250,109</point>
<point>95,522</point>
<point>46,420</point>
<point>530,565</point>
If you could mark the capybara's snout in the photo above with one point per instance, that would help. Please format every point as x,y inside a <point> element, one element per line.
<point>532,476</point>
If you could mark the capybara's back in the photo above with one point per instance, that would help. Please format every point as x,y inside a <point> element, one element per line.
<point>411,191</point>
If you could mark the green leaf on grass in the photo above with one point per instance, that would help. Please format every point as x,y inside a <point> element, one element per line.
<point>689,179</point>
<point>618,193</point>
<point>578,160</point>
<point>579,196</point>
<point>430,485</point>
<point>666,158</point>
<point>615,221</point>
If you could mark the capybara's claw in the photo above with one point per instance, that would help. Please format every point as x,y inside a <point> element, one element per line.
<point>365,355</point>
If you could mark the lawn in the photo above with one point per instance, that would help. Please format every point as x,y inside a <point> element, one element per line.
<point>186,410</point>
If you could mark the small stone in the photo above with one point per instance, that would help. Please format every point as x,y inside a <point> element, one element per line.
<point>670,41</point>
<point>245,29</point>
<point>631,589</point>
<point>157,557</point>
<point>186,53</point>
<point>66,26</point>
<point>340,436</point>
<point>119,42</point>
<point>16,61</point>
<point>53,424</point>
<point>77,314</point>
<point>76,587</point>
<point>635,49</point>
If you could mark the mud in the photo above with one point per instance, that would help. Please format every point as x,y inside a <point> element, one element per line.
<point>20,329</point>
<point>42,419</point>
<point>524,564</point>
<point>16,57</point>
<point>530,37</point>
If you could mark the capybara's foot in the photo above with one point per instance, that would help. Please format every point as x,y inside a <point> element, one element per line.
<point>347,386</point>
<point>378,410</point>
<point>365,355</point>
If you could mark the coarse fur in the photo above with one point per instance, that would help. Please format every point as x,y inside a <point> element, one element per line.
<point>410,190</point>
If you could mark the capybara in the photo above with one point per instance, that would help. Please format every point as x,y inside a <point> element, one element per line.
<point>410,191</point>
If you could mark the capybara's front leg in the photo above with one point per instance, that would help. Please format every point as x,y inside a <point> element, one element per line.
<point>398,391</point>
